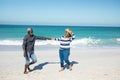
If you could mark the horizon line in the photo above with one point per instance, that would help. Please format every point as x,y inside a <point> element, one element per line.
<point>63,25</point>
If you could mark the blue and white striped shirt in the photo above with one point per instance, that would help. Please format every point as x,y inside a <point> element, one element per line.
<point>65,42</point>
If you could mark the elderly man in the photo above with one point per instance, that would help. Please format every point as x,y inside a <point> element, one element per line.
<point>28,48</point>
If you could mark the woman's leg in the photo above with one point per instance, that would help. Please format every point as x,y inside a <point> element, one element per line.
<point>66,58</point>
<point>61,60</point>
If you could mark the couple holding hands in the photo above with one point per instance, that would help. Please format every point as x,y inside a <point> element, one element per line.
<point>64,51</point>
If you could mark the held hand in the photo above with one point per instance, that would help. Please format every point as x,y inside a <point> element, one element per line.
<point>51,39</point>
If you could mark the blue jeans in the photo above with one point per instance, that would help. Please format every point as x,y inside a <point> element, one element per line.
<point>32,56</point>
<point>64,56</point>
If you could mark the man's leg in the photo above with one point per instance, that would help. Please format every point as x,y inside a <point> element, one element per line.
<point>25,70</point>
<point>61,60</point>
<point>27,58</point>
<point>34,60</point>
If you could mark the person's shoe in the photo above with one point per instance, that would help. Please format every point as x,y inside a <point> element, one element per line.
<point>70,67</point>
<point>62,69</point>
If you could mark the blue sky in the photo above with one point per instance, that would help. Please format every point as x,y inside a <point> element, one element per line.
<point>60,12</point>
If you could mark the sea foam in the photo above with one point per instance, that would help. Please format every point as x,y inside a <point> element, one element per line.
<point>77,42</point>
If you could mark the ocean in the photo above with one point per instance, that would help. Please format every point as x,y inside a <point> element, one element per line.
<point>86,36</point>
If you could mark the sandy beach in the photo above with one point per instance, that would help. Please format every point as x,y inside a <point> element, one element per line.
<point>88,64</point>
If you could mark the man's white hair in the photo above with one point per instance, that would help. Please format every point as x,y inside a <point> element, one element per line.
<point>29,29</point>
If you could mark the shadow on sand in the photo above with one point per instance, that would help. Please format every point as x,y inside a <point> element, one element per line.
<point>72,64</point>
<point>41,65</point>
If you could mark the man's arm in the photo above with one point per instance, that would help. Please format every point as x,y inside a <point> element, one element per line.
<point>24,46</point>
<point>42,38</point>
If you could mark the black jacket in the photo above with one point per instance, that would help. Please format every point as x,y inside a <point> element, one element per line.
<point>29,41</point>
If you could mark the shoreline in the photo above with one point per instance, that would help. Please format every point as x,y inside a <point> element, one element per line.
<point>53,47</point>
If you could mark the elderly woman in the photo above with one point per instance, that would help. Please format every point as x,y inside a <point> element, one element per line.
<point>64,50</point>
